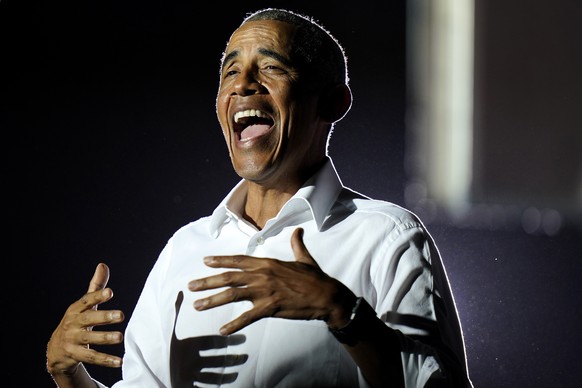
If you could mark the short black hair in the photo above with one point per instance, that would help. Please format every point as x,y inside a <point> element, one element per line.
<point>318,54</point>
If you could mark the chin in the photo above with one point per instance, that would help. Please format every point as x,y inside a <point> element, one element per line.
<point>251,173</point>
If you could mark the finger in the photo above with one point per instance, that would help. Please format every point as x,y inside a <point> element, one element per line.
<point>227,296</point>
<point>90,301</point>
<point>100,278</point>
<point>235,261</point>
<point>99,337</point>
<point>241,322</point>
<point>90,356</point>
<point>101,317</point>
<point>225,279</point>
<point>300,251</point>
<point>99,282</point>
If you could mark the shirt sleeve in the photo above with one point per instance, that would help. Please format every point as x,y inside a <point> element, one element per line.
<point>413,297</point>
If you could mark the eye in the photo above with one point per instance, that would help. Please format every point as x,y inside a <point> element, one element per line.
<point>229,70</point>
<point>230,73</point>
<point>273,69</point>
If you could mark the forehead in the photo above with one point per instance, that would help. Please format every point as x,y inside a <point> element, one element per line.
<point>262,34</point>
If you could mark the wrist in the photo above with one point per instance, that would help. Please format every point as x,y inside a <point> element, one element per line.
<point>361,315</point>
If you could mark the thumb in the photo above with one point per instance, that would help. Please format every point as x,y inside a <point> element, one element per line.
<point>100,278</point>
<point>300,251</point>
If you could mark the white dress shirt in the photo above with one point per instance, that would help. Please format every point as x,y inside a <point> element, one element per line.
<point>379,250</point>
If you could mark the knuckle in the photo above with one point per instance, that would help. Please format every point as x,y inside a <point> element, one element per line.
<point>85,300</point>
<point>226,277</point>
<point>232,294</point>
<point>85,337</point>
<point>245,318</point>
<point>84,319</point>
<point>92,357</point>
<point>67,323</point>
<point>272,307</point>
<point>67,351</point>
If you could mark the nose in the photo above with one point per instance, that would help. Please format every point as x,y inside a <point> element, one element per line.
<point>247,83</point>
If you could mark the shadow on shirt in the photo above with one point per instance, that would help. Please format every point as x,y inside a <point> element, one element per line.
<point>187,364</point>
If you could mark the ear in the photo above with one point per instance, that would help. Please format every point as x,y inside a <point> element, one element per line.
<point>335,102</point>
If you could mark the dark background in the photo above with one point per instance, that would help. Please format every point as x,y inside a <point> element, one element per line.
<point>111,144</point>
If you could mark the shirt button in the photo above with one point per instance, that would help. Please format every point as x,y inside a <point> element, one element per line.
<point>260,240</point>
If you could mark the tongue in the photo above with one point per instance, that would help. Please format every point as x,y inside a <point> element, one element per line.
<point>254,130</point>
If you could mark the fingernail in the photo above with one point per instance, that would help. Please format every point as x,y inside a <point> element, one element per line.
<point>113,336</point>
<point>200,304</point>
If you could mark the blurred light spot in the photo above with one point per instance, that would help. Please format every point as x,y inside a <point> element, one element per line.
<point>531,220</point>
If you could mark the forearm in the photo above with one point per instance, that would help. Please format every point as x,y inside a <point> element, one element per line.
<point>377,354</point>
<point>374,347</point>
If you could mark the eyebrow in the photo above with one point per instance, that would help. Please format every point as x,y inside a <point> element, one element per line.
<point>274,55</point>
<point>268,53</point>
<point>228,57</point>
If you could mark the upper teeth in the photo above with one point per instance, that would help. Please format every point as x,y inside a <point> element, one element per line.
<point>248,113</point>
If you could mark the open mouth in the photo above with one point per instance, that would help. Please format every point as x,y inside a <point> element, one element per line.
<point>251,123</point>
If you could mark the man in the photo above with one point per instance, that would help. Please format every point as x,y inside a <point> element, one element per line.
<point>294,280</point>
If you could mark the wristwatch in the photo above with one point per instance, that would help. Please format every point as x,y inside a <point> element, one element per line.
<point>353,330</point>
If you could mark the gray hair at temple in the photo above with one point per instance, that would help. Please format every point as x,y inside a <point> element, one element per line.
<point>318,54</point>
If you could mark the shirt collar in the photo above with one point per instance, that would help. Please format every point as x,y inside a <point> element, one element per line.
<point>317,195</point>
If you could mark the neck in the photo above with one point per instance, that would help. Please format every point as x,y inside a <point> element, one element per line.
<point>264,202</point>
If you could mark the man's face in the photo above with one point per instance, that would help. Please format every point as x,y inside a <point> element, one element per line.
<point>270,123</point>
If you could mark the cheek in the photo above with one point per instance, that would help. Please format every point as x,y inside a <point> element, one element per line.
<point>222,114</point>
<point>220,105</point>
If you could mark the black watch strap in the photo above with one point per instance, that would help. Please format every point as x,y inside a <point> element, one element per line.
<point>352,332</point>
